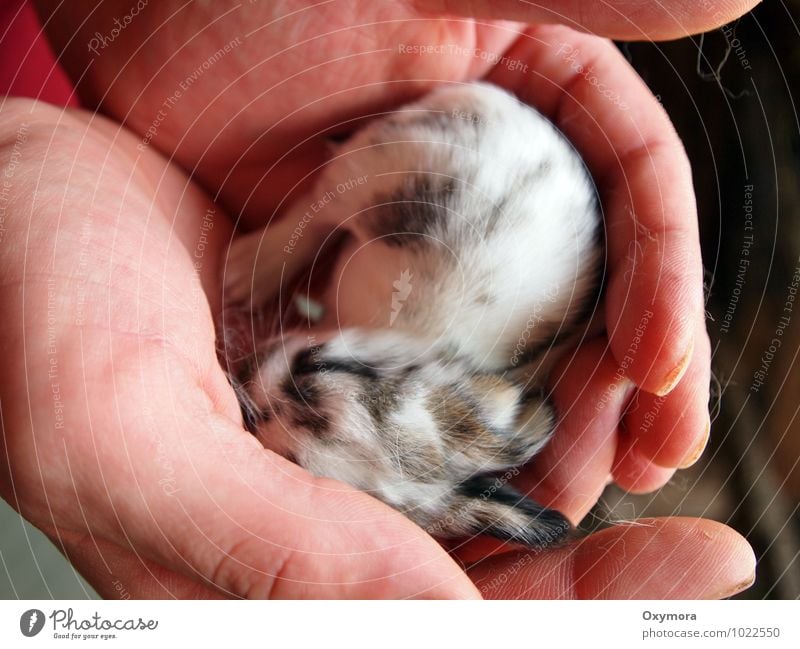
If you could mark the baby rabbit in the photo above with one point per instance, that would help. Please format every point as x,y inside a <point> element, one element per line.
<point>472,245</point>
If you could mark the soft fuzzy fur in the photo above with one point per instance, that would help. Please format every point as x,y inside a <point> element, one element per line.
<point>473,246</point>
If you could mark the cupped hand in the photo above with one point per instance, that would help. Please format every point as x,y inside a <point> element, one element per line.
<point>634,402</point>
<point>123,437</point>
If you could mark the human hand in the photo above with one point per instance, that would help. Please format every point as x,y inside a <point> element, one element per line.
<point>632,152</point>
<point>123,439</point>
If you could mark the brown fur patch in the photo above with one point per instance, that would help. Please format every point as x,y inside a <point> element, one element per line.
<point>461,426</point>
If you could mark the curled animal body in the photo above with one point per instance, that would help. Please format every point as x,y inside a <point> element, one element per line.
<point>472,249</point>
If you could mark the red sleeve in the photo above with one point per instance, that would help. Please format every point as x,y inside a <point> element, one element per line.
<point>28,67</point>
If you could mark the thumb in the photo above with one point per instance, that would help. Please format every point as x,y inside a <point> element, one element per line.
<point>257,526</point>
<point>612,18</point>
<point>117,573</point>
<point>666,558</point>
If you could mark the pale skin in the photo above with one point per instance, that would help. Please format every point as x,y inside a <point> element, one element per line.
<point>122,437</point>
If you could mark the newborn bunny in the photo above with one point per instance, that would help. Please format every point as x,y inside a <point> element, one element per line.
<point>472,245</point>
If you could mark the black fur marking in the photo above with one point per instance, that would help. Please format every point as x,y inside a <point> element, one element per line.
<point>312,421</point>
<point>415,212</point>
<point>346,367</point>
<point>306,361</point>
<point>543,526</point>
<point>531,394</point>
<point>250,417</point>
<point>248,369</point>
<point>310,361</point>
<point>301,391</point>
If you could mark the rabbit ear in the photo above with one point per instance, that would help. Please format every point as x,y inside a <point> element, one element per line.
<point>499,510</point>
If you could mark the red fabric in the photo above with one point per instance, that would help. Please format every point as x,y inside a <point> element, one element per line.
<point>28,67</point>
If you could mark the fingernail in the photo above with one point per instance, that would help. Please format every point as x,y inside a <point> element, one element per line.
<point>698,450</point>
<point>676,374</point>
<point>738,588</point>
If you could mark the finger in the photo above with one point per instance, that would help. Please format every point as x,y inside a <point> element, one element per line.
<point>116,573</point>
<point>654,286</point>
<point>612,18</point>
<point>670,558</point>
<point>589,395</point>
<point>673,430</point>
<point>635,473</point>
